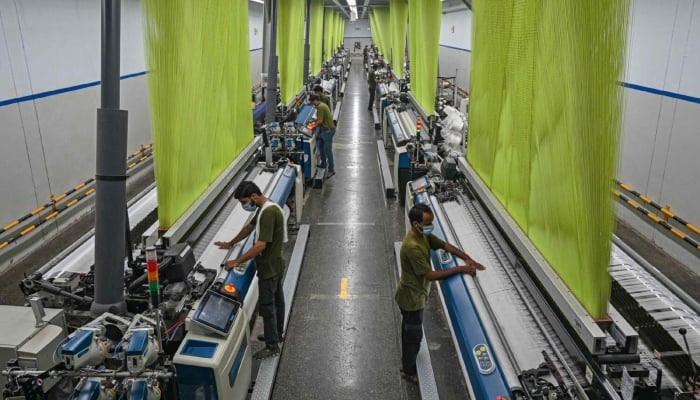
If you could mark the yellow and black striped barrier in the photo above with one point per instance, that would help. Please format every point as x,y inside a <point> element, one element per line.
<point>136,158</point>
<point>659,221</point>
<point>665,210</point>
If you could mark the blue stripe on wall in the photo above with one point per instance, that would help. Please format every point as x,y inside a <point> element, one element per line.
<point>62,90</point>
<point>455,48</point>
<point>661,92</point>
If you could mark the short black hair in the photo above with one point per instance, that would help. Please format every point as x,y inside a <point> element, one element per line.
<point>318,88</point>
<point>417,211</point>
<point>245,190</point>
<point>374,66</point>
<point>314,97</point>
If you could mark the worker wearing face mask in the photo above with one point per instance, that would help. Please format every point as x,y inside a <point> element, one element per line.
<point>414,286</point>
<point>270,236</point>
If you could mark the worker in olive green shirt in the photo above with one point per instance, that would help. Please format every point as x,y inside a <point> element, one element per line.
<point>324,137</point>
<point>416,275</point>
<point>318,91</point>
<point>372,82</point>
<point>270,235</point>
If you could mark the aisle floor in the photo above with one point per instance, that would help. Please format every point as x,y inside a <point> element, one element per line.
<point>342,341</point>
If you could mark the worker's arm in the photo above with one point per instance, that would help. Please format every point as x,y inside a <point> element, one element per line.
<point>444,274</point>
<point>471,264</point>
<point>253,252</point>
<point>245,231</point>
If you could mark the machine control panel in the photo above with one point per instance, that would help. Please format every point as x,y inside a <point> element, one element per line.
<point>483,359</point>
<point>445,257</point>
<point>216,312</point>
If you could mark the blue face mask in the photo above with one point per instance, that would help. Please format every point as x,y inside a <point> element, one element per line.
<point>428,229</point>
<point>250,207</point>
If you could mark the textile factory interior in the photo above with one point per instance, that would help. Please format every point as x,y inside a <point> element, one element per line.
<point>444,199</point>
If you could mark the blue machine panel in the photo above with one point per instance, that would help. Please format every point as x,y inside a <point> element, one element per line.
<point>199,348</point>
<point>195,382</point>
<point>485,375</point>
<point>304,114</point>
<point>89,391</point>
<point>79,344</point>
<point>139,391</point>
<point>138,343</point>
<point>242,278</point>
<point>236,366</point>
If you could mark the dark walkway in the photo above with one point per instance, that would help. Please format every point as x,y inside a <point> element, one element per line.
<point>342,340</point>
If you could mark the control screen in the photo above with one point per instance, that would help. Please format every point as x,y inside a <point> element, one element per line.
<point>420,183</point>
<point>216,312</point>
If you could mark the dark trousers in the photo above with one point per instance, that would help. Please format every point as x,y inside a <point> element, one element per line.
<point>324,141</point>
<point>271,308</point>
<point>372,91</point>
<point>411,336</point>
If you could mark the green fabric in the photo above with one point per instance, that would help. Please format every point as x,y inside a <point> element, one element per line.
<point>544,126</point>
<point>270,262</point>
<point>199,89</point>
<point>290,45</point>
<point>398,13</point>
<point>316,36</point>
<point>424,19</point>
<point>323,112</point>
<point>379,21</point>
<point>328,34</point>
<point>413,289</point>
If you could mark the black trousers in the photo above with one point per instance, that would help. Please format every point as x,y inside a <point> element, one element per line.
<point>411,336</point>
<point>372,91</point>
<point>271,308</point>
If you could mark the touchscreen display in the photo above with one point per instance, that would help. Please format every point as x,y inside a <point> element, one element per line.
<point>217,312</point>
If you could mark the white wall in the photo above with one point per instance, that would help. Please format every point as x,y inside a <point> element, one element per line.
<point>255,35</point>
<point>456,45</point>
<point>357,31</point>
<point>660,137</point>
<point>49,143</point>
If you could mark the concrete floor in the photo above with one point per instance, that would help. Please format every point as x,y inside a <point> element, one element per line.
<point>348,348</point>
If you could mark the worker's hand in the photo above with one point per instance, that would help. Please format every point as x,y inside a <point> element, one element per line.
<point>471,267</point>
<point>224,245</point>
<point>229,265</point>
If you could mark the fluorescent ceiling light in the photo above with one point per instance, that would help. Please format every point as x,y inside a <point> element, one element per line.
<point>258,1</point>
<point>351,3</point>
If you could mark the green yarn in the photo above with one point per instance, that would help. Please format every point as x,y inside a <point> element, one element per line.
<point>328,34</point>
<point>544,126</point>
<point>199,86</point>
<point>290,46</point>
<point>379,20</point>
<point>398,14</point>
<point>424,18</point>
<point>316,36</point>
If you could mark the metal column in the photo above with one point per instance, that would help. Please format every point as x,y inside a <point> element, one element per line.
<point>110,176</point>
<point>306,41</point>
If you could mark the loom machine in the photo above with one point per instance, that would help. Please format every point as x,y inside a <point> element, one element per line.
<point>413,139</point>
<point>521,334</point>
<point>186,330</point>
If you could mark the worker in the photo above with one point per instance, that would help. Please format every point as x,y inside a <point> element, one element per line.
<point>365,56</point>
<point>372,82</point>
<point>324,137</point>
<point>414,286</point>
<point>270,236</point>
<point>318,91</point>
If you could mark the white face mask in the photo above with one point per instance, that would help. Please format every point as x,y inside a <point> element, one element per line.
<point>426,230</point>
